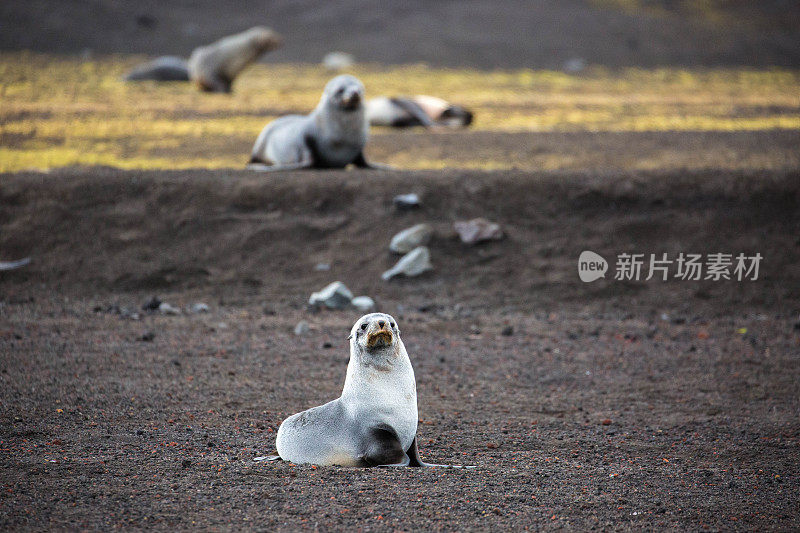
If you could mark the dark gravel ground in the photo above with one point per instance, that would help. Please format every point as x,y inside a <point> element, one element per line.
<point>622,406</point>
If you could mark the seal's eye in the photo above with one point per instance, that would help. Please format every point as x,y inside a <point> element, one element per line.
<point>364,325</point>
<point>392,325</point>
<point>340,91</point>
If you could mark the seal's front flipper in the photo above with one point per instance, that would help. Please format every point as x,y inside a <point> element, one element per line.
<point>382,447</point>
<point>414,459</point>
<point>361,162</point>
<point>268,458</point>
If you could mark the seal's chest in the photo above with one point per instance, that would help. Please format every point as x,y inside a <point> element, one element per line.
<point>336,152</point>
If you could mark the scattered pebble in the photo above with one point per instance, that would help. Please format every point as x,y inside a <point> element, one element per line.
<point>147,337</point>
<point>152,305</point>
<point>606,422</point>
<point>574,65</point>
<point>407,201</point>
<point>167,309</point>
<point>199,307</point>
<point>338,60</point>
<point>507,331</point>
<point>301,328</point>
<point>327,345</point>
<point>410,238</point>
<point>478,230</point>
<point>11,265</point>
<point>412,264</point>
<point>334,296</point>
<point>322,267</point>
<point>363,303</point>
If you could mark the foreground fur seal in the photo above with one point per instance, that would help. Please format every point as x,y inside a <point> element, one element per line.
<point>374,422</point>
<point>213,67</point>
<point>420,110</point>
<point>332,136</point>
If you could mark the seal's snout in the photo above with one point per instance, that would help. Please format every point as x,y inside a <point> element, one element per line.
<point>380,336</point>
<point>351,100</point>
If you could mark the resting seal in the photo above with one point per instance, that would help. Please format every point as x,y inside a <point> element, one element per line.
<point>420,110</point>
<point>332,136</point>
<point>374,422</point>
<point>213,67</point>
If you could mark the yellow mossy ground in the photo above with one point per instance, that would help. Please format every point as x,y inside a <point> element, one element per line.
<point>57,111</point>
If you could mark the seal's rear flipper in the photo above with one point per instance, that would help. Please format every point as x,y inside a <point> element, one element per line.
<point>267,458</point>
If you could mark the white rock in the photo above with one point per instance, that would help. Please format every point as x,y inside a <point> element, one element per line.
<point>199,307</point>
<point>407,201</point>
<point>410,238</point>
<point>301,328</point>
<point>413,263</point>
<point>363,303</point>
<point>322,267</point>
<point>334,296</point>
<point>167,309</point>
<point>478,230</point>
<point>338,60</point>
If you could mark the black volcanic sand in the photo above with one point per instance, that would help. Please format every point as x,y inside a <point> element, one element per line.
<point>613,405</point>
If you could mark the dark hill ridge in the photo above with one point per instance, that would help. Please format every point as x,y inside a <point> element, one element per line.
<point>476,33</point>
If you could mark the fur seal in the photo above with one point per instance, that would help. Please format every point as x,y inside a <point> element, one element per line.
<point>213,67</point>
<point>165,68</point>
<point>374,421</point>
<point>420,110</point>
<point>332,136</point>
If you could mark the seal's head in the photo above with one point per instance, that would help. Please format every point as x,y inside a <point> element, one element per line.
<point>375,333</point>
<point>264,39</point>
<point>345,93</point>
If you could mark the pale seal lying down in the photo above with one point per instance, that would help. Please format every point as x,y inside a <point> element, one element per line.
<point>420,110</point>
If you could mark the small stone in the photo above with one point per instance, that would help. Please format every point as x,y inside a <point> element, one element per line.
<point>301,328</point>
<point>412,264</point>
<point>167,309</point>
<point>334,296</point>
<point>322,267</point>
<point>199,307</point>
<point>410,238</point>
<point>152,305</point>
<point>363,303</point>
<point>147,337</point>
<point>507,331</point>
<point>327,345</point>
<point>406,201</point>
<point>478,230</point>
<point>11,265</point>
<point>606,422</point>
<point>338,60</point>
<point>574,65</point>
